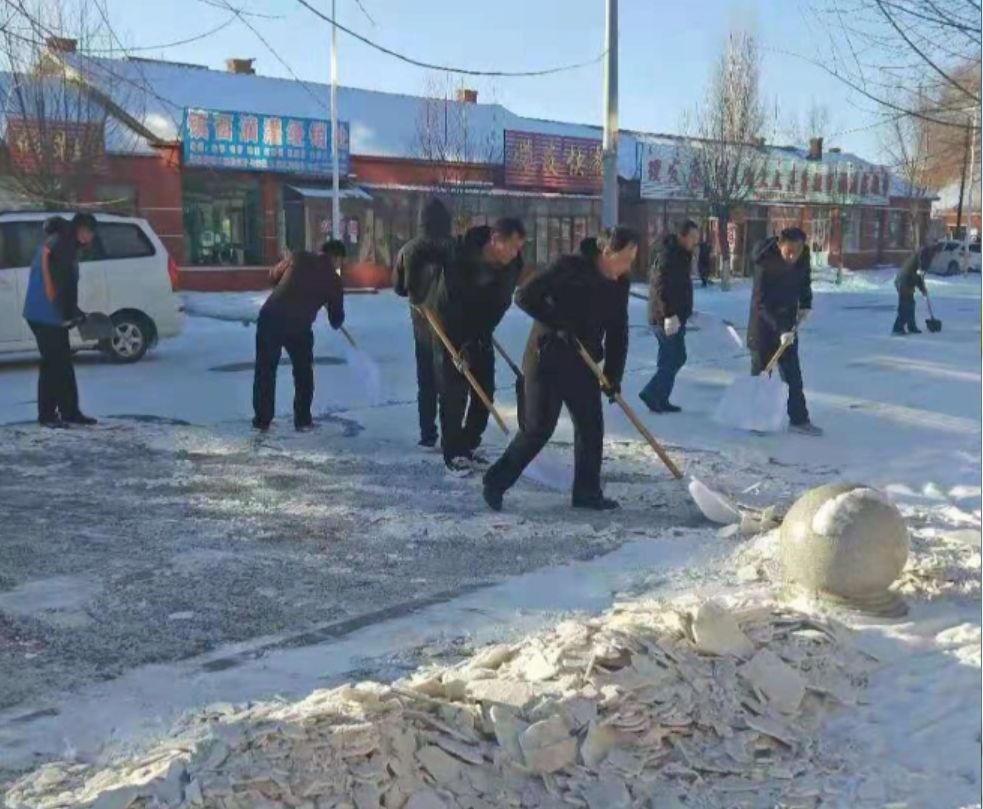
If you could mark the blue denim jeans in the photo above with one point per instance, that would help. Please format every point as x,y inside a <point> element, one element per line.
<point>672,357</point>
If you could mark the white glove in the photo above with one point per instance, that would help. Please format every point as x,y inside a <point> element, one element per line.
<point>803,316</point>
<point>671,325</point>
<point>788,338</point>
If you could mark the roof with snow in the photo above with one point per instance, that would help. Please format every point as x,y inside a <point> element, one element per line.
<point>381,124</point>
<point>156,93</point>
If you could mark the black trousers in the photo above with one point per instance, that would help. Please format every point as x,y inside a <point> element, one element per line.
<point>57,390</point>
<point>906,314</point>
<point>791,372</point>
<point>555,376</point>
<point>463,417</point>
<point>426,380</point>
<point>273,335</point>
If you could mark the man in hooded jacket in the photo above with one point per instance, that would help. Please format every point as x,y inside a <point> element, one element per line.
<point>419,263</point>
<point>470,298</point>
<point>909,278</point>
<point>781,300</point>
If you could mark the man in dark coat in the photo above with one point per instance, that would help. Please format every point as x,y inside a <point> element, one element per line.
<point>419,263</point>
<point>781,300</point>
<point>703,262</point>
<point>51,309</point>
<point>305,282</point>
<point>580,297</point>
<point>670,306</point>
<point>470,299</point>
<point>909,278</point>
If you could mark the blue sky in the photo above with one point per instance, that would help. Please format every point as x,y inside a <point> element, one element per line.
<point>667,52</point>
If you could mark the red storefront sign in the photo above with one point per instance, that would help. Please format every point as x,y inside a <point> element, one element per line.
<point>553,162</point>
<point>55,145</point>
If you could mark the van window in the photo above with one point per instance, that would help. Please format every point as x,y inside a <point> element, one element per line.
<point>20,242</point>
<point>974,247</point>
<point>115,240</point>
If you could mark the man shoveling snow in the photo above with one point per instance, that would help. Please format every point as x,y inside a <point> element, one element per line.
<point>780,303</point>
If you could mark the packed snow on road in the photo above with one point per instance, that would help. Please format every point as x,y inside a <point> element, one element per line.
<point>194,614</point>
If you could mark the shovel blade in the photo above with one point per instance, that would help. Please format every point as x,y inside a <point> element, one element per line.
<point>96,326</point>
<point>756,403</point>
<point>933,325</point>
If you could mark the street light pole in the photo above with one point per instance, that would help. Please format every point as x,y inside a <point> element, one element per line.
<point>962,181</point>
<point>609,197</point>
<point>335,191</point>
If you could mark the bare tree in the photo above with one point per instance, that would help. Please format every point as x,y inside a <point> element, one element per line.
<point>55,128</point>
<point>877,46</point>
<point>905,143</point>
<point>723,158</point>
<point>452,136</point>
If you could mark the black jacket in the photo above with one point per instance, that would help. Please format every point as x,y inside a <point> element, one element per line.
<point>780,291</point>
<point>703,258</point>
<point>304,283</point>
<point>422,260</point>
<point>572,296</point>
<point>472,295</point>
<point>63,263</point>
<point>908,278</point>
<point>670,283</point>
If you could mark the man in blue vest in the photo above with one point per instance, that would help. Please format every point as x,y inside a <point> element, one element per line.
<point>51,309</point>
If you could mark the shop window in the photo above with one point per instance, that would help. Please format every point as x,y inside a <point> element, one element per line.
<point>542,241</point>
<point>851,231</point>
<point>222,221</point>
<point>897,230</point>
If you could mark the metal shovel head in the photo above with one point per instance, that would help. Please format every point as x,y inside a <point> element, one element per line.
<point>96,327</point>
<point>933,325</point>
<point>756,403</point>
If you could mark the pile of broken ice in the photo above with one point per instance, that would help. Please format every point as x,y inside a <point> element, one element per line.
<point>641,705</point>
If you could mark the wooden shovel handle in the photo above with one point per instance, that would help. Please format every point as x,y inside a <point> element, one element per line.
<point>632,417</point>
<point>508,360</point>
<point>778,355</point>
<point>348,337</point>
<point>434,322</point>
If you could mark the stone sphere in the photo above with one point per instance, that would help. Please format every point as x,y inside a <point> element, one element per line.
<point>844,540</point>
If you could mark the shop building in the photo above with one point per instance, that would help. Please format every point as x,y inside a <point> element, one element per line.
<point>234,168</point>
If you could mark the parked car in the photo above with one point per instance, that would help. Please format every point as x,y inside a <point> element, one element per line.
<point>957,256</point>
<point>125,273</point>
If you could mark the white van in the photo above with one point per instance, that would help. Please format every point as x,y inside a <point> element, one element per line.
<point>125,273</point>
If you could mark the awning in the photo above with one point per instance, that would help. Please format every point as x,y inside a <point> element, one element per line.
<point>326,193</point>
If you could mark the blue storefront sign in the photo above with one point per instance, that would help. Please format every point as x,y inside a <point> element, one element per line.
<point>246,141</point>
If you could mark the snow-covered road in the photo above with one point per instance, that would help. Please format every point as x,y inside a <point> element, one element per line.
<point>171,534</point>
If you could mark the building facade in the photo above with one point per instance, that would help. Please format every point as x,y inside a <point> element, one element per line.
<point>232,169</point>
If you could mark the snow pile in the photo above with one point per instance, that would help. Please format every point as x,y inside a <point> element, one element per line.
<point>610,712</point>
<point>837,514</point>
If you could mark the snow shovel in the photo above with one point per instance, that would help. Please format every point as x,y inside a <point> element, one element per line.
<point>461,365</point>
<point>364,367</point>
<point>714,506</point>
<point>520,384</point>
<point>932,323</point>
<point>96,327</point>
<point>734,334</point>
<point>755,403</point>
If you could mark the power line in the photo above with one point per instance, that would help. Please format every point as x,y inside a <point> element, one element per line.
<point>204,34</point>
<point>449,68</point>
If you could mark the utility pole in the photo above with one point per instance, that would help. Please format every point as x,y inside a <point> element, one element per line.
<point>335,191</point>
<point>609,145</point>
<point>962,181</point>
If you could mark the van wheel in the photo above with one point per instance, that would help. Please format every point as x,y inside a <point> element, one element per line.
<point>953,268</point>
<point>130,339</point>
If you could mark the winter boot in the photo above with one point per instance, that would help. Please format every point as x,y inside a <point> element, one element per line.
<point>596,503</point>
<point>806,428</point>
<point>80,420</point>
<point>493,497</point>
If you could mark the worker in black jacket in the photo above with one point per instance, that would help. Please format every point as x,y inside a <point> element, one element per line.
<point>781,300</point>
<point>670,306</point>
<point>579,297</point>
<point>703,259</point>
<point>419,263</point>
<point>304,282</point>
<point>470,299</point>
<point>909,278</point>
